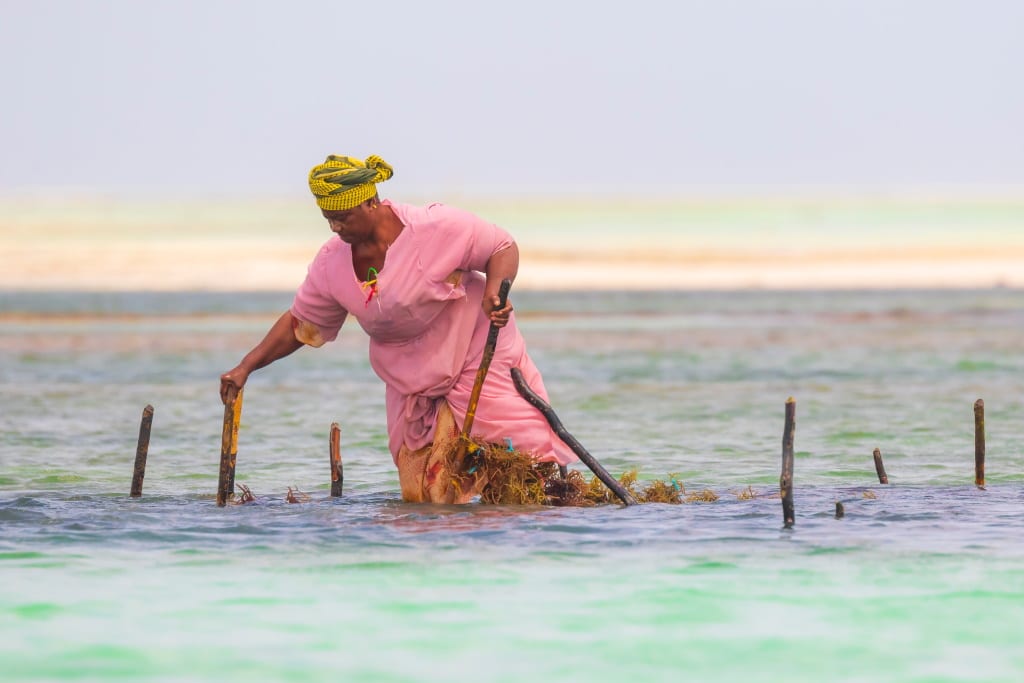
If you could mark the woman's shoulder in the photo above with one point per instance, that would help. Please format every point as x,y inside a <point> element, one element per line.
<point>331,254</point>
<point>330,249</point>
<point>433,216</point>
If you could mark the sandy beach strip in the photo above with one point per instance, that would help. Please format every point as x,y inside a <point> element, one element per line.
<point>601,244</point>
<point>246,265</point>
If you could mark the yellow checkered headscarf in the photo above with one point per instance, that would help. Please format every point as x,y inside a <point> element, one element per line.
<point>341,183</point>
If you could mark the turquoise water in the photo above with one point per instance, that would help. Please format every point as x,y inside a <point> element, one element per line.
<point>922,580</point>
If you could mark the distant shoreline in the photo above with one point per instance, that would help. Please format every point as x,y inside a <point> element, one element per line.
<point>183,266</point>
<point>602,243</point>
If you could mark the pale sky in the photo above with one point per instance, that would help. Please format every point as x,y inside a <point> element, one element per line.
<point>215,98</point>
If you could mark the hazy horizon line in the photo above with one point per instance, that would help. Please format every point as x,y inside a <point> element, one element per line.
<point>709,194</point>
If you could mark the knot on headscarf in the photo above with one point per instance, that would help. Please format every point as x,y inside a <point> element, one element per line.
<point>341,183</point>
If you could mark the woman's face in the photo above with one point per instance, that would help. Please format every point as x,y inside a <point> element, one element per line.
<point>352,225</point>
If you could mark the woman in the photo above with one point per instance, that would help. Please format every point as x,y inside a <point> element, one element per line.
<point>423,283</point>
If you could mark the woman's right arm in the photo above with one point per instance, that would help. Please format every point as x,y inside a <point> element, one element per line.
<point>279,342</point>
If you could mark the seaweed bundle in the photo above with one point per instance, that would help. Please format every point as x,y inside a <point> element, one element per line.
<point>514,478</point>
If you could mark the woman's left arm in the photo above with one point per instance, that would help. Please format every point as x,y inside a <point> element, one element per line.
<point>503,264</point>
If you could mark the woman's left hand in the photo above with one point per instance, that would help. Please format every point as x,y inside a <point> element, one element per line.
<point>498,316</point>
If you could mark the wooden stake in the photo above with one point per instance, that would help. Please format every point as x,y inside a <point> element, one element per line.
<point>236,419</point>
<point>979,443</point>
<point>883,478</point>
<point>786,479</point>
<point>337,471</point>
<point>534,399</point>
<point>464,446</point>
<point>142,451</point>
<point>840,511</point>
<point>229,449</point>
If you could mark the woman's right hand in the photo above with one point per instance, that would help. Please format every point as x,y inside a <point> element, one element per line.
<point>231,382</point>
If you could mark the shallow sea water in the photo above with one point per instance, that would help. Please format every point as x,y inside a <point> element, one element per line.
<point>922,580</point>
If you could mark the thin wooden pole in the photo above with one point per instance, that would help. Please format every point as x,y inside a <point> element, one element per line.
<point>979,443</point>
<point>142,451</point>
<point>337,471</point>
<point>883,478</point>
<point>585,457</point>
<point>786,479</point>
<point>465,446</point>
<point>229,448</point>
<point>236,419</point>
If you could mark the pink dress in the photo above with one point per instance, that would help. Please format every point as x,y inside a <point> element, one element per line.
<point>427,329</point>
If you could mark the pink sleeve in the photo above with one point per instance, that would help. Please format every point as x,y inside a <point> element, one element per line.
<point>465,241</point>
<point>314,305</point>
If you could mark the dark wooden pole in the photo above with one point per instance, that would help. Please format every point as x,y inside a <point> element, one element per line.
<point>556,426</point>
<point>786,479</point>
<point>337,471</point>
<point>229,448</point>
<point>883,478</point>
<point>979,443</point>
<point>464,446</point>
<point>142,451</point>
